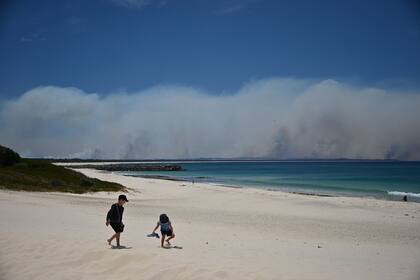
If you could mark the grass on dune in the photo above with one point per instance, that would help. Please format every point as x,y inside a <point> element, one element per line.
<point>41,175</point>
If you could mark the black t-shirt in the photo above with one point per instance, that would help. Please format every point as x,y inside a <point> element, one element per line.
<point>115,214</point>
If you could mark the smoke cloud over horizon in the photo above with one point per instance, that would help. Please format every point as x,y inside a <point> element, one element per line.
<point>272,118</point>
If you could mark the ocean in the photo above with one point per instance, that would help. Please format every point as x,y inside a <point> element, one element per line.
<point>380,179</point>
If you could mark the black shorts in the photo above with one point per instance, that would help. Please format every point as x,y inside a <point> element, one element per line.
<point>117,227</point>
<point>166,232</point>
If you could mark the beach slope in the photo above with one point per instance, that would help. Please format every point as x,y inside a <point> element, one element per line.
<point>225,233</point>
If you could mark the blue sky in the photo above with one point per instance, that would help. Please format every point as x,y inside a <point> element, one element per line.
<point>218,45</point>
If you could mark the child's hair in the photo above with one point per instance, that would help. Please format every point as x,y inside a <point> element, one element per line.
<point>163,219</point>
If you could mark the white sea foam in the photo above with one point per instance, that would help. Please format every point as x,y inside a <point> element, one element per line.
<point>408,194</point>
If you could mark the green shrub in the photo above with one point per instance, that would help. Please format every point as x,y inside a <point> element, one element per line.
<point>41,175</point>
<point>56,183</point>
<point>86,182</point>
<point>8,157</point>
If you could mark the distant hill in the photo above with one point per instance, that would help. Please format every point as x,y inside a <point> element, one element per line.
<point>21,174</point>
<point>8,157</point>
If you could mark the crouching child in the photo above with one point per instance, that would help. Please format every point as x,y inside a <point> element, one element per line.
<point>166,229</point>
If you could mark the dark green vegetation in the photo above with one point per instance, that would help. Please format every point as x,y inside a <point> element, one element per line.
<point>41,175</point>
<point>8,157</point>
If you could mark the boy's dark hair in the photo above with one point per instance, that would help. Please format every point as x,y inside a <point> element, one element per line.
<point>163,219</point>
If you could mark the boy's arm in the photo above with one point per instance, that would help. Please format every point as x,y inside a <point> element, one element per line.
<point>172,227</point>
<point>156,227</point>
<point>108,215</point>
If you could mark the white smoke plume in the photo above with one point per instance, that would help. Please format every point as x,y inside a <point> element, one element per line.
<point>273,118</point>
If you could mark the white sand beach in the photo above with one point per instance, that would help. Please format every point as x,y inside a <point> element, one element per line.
<point>225,233</point>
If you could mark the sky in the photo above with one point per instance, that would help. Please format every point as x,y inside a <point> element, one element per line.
<point>107,45</point>
<point>73,71</point>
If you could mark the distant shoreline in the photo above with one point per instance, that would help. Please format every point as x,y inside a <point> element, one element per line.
<point>391,193</point>
<point>76,160</point>
<point>267,188</point>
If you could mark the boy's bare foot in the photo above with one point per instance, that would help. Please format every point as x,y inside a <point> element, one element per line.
<point>168,243</point>
<point>109,241</point>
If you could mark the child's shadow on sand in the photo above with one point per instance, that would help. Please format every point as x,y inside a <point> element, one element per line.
<point>120,247</point>
<point>172,247</point>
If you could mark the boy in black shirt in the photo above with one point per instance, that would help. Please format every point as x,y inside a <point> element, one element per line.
<point>114,218</point>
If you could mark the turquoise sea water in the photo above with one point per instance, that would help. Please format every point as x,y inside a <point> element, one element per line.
<point>381,179</point>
